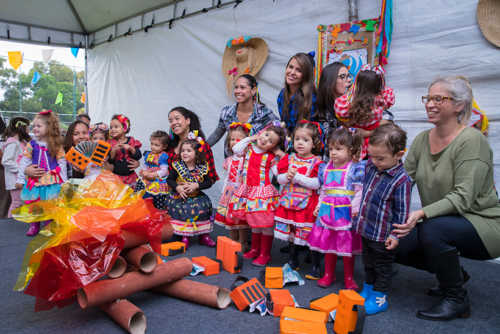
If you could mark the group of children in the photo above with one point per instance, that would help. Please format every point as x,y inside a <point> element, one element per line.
<point>339,208</point>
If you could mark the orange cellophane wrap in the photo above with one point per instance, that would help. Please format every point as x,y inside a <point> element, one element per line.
<point>83,240</point>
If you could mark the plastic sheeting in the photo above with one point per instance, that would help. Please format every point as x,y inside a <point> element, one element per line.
<point>146,74</point>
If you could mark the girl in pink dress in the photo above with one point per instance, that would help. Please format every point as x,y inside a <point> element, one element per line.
<point>298,175</point>
<point>232,164</point>
<point>341,186</point>
<point>364,104</point>
<point>256,198</point>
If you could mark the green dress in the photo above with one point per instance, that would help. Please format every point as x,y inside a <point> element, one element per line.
<point>458,181</point>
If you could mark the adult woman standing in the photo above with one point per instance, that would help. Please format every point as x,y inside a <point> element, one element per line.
<point>297,100</point>
<point>247,109</point>
<point>182,122</point>
<point>452,166</point>
<point>333,83</point>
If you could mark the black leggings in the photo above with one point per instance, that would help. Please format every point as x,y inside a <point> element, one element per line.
<point>437,235</point>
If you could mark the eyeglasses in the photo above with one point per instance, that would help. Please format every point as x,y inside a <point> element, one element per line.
<point>345,76</point>
<point>438,99</point>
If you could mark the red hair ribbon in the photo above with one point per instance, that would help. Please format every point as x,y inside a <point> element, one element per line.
<point>124,121</point>
<point>304,121</point>
<point>246,126</point>
<point>45,112</point>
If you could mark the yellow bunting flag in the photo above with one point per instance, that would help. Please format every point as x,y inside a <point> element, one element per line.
<point>82,98</point>
<point>15,59</point>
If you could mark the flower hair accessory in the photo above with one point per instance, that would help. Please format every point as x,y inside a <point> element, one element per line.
<point>246,126</point>
<point>45,112</point>
<point>124,121</point>
<point>366,67</point>
<point>193,135</point>
<point>377,69</point>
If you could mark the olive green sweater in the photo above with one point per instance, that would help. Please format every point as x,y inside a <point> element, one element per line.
<point>458,180</point>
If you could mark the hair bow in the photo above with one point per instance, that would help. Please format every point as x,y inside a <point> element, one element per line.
<point>233,71</point>
<point>124,121</point>
<point>246,126</point>
<point>45,112</point>
<point>193,135</point>
<point>377,69</point>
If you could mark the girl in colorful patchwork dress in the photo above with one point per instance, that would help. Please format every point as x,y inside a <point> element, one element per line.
<point>17,137</point>
<point>298,175</point>
<point>45,156</point>
<point>363,106</point>
<point>232,164</point>
<point>256,198</point>
<point>341,187</point>
<point>123,148</point>
<point>153,178</point>
<point>189,208</point>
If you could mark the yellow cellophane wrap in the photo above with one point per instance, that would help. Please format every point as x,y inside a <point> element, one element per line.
<point>96,208</point>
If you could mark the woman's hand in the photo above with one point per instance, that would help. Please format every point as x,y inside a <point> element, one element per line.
<point>34,171</point>
<point>316,211</point>
<point>402,230</point>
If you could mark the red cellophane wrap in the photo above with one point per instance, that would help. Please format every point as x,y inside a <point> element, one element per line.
<point>66,268</point>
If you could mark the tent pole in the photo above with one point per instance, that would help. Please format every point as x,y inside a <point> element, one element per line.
<point>86,76</point>
<point>353,10</point>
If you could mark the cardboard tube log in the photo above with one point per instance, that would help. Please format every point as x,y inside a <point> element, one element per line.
<point>105,291</point>
<point>134,240</point>
<point>119,268</point>
<point>127,315</point>
<point>142,257</point>
<point>197,292</point>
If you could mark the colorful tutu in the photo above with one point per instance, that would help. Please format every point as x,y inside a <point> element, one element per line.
<point>40,192</point>
<point>255,204</point>
<point>341,242</point>
<point>288,232</point>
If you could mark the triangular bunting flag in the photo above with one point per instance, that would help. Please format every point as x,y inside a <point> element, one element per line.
<point>15,59</point>
<point>36,77</point>
<point>83,97</point>
<point>59,99</point>
<point>74,51</point>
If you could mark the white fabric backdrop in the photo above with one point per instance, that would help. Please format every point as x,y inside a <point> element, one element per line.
<point>143,76</point>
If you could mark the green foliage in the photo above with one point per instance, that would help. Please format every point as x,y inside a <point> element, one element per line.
<point>54,77</point>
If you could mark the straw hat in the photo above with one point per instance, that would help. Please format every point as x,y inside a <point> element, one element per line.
<point>242,55</point>
<point>488,18</point>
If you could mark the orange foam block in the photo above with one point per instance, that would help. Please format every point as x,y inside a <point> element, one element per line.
<point>211,267</point>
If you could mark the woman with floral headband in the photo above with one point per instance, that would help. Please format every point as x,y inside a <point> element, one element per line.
<point>123,148</point>
<point>247,109</point>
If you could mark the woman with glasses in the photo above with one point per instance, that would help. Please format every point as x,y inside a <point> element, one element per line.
<point>452,165</point>
<point>333,83</point>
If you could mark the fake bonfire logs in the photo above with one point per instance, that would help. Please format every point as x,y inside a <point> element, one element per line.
<point>127,315</point>
<point>143,258</point>
<point>119,268</point>
<point>134,240</point>
<point>104,291</point>
<point>197,292</point>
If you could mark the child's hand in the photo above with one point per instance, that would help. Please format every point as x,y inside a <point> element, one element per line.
<point>278,152</point>
<point>254,137</point>
<point>316,211</point>
<point>181,189</point>
<point>291,174</point>
<point>391,243</point>
<point>191,187</point>
<point>19,186</point>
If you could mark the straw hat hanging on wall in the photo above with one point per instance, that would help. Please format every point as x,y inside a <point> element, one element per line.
<point>488,18</point>
<point>242,55</point>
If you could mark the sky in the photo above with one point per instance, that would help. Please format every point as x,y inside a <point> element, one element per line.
<point>32,53</point>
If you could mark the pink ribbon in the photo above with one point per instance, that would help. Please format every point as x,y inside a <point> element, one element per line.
<point>57,174</point>
<point>233,71</point>
<point>31,182</point>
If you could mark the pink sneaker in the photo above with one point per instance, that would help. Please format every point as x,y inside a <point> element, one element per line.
<point>33,230</point>
<point>206,240</point>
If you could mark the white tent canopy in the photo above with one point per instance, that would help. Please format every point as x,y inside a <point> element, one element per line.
<point>146,72</point>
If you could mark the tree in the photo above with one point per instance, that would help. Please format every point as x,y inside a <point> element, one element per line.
<point>54,78</point>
